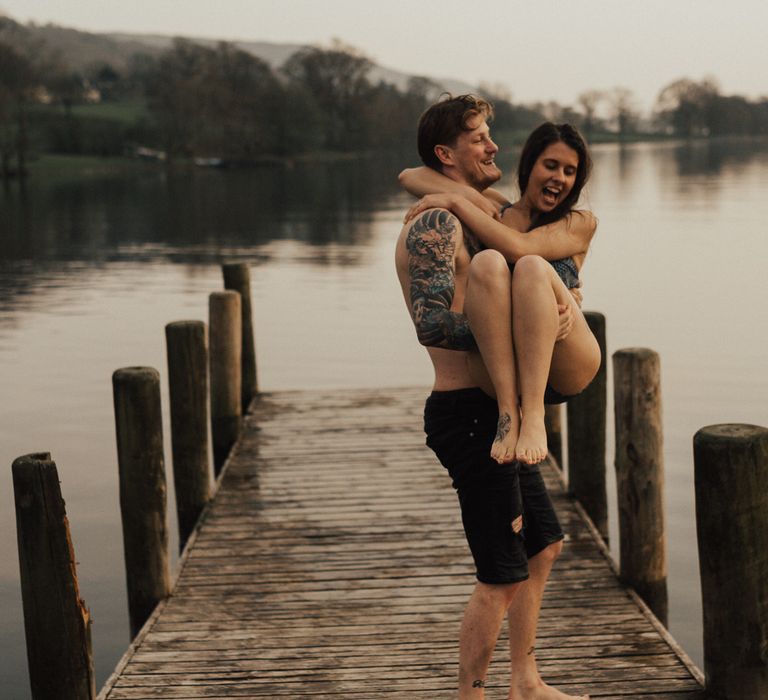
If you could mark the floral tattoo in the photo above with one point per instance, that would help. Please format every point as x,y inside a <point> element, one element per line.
<point>431,243</point>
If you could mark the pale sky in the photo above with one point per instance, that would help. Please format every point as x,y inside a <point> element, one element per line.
<point>537,50</point>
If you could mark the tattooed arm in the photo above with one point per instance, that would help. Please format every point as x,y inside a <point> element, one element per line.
<point>431,243</point>
<point>569,236</point>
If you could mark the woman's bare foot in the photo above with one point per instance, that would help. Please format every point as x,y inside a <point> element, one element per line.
<point>507,432</point>
<point>531,446</point>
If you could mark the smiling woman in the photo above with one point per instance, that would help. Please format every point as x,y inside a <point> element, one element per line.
<point>552,177</point>
<point>554,156</point>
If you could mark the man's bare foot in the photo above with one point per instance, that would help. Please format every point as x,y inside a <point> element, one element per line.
<point>507,432</point>
<point>542,691</point>
<point>531,446</point>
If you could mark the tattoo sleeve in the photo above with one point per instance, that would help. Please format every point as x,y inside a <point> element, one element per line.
<point>431,243</point>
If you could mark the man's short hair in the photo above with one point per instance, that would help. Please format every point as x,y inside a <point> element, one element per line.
<point>444,121</point>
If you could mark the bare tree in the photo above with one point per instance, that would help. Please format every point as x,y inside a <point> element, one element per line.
<point>338,82</point>
<point>589,102</point>
<point>683,105</point>
<point>624,112</point>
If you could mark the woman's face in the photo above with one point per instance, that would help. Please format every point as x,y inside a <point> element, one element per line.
<point>552,177</point>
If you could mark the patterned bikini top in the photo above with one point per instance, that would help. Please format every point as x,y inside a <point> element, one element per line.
<point>565,267</point>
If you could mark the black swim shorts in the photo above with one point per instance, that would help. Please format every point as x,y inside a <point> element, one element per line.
<point>460,427</point>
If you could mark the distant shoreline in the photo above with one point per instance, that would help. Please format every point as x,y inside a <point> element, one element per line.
<point>45,164</point>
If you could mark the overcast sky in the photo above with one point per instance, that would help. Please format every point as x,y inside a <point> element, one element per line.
<point>538,50</point>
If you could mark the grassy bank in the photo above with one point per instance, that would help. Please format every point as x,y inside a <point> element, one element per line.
<point>125,112</point>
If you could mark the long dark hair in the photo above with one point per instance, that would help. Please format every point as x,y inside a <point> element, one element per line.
<point>541,137</point>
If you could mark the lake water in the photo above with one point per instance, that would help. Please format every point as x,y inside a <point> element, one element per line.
<point>93,265</point>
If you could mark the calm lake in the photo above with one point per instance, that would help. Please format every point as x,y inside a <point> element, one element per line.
<point>94,264</point>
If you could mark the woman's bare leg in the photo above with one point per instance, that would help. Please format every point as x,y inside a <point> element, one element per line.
<point>488,306</point>
<point>569,365</point>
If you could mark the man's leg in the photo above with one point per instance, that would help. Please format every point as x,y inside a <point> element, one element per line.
<point>460,427</point>
<point>492,514</point>
<point>480,629</point>
<point>525,681</point>
<point>543,538</point>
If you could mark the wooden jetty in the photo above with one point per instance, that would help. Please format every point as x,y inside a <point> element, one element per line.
<point>331,563</point>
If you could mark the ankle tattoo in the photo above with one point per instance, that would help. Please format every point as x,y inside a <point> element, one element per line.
<point>531,650</point>
<point>478,684</point>
<point>503,426</point>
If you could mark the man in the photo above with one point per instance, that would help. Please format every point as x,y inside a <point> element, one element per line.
<point>497,501</point>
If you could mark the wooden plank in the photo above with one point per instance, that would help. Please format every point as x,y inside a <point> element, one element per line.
<point>335,566</point>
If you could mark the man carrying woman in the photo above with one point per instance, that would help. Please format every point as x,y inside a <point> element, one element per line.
<point>517,336</point>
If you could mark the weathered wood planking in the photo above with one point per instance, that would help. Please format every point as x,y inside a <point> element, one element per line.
<point>332,564</point>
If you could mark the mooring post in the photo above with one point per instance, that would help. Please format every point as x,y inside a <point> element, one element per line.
<point>139,427</point>
<point>554,426</point>
<point>237,277</point>
<point>225,371</point>
<point>731,478</point>
<point>187,349</point>
<point>586,437</point>
<point>640,475</point>
<point>56,622</point>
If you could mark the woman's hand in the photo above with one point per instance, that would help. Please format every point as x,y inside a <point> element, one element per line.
<point>565,321</point>
<point>443,200</point>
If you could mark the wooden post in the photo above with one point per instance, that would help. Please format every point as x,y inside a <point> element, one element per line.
<point>56,622</point>
<point>187,349</point>
<point>554,426</point>
<point>731,477</point>
<point>139,426</point>
<point>237,277</point>
<point>640,475</point>
<point>225,356</point>
<point>586,438</point>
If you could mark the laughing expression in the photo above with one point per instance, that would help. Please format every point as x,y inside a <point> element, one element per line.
<point>552,177</point>
<point>473,156</point>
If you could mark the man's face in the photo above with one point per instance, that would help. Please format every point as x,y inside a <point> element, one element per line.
<point>471,158</point>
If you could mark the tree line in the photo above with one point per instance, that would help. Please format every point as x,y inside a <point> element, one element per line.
<point>224,103</point>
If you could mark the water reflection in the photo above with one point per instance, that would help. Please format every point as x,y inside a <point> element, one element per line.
<point>58,229</point>
<point>148,212</point>
<point>710,157</point>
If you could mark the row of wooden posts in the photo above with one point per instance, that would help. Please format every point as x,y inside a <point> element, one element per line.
<point>731,482</point>
<point>731,489</point>
<point>56,621</point>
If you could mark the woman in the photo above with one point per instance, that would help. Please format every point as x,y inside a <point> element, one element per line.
<point>515,317</point>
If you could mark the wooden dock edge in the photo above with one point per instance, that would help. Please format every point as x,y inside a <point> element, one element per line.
<point>138,640</point>
<point>664,633</point>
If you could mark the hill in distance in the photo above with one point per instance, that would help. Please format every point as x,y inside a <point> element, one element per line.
<point>79,50</point>
<point>277,54</point>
